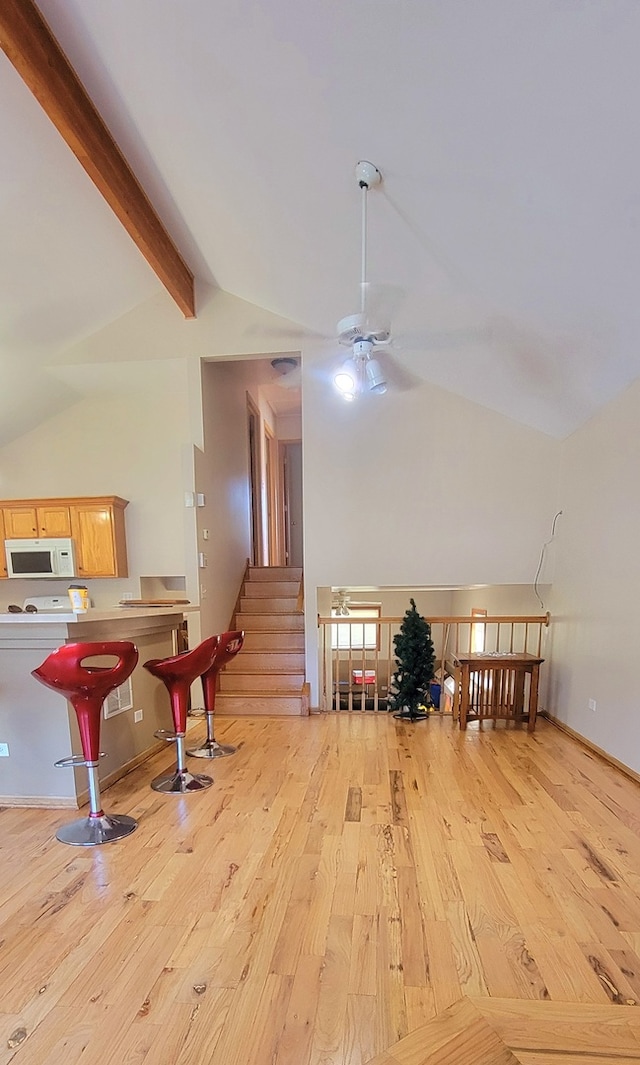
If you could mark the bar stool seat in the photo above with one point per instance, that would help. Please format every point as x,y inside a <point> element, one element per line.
<point>178,673</point>
<point>228,646</point>
<point>87,687</point>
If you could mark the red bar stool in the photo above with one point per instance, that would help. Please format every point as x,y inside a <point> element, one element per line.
<point>178,674</point>
<point>228,646</point>
<point>87,687</point>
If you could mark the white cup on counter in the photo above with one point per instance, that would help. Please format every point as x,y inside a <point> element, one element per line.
<point>79,598</point>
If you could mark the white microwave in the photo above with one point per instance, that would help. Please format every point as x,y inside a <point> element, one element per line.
<point>40,558</point>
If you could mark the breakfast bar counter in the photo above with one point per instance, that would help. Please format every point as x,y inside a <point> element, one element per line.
<point>39,726</point>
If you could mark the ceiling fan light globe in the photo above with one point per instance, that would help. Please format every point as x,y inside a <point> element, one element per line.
<point>375,377</point>
<point>346,379</point>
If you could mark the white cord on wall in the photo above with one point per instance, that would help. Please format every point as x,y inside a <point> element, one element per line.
<point>544,548</point>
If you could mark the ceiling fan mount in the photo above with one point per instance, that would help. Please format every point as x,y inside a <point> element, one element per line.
<point>367,174</point>
<point>353,329</point>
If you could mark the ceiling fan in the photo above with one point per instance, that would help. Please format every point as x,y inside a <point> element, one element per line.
<point>340,603</point>
<point>373,365</point>
<point>369,330</point>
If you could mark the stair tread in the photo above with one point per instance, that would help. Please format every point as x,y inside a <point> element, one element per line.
<point>272,632</point>
<point>294,614</point>
<point>261,672</point>
<point>274,693</point>
<point>272,697</point>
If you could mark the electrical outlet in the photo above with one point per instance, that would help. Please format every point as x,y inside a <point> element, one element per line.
<point>4,750</point>
<point>138,715</point>
<point>592,705</point>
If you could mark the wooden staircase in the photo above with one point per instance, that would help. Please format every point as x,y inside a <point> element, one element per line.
<point>268,676</point>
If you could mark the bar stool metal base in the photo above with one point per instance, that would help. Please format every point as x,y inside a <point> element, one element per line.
<point>181,782</point>
<point>212,749</point>
<point>92,831</point>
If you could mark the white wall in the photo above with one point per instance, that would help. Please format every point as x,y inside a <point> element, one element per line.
<point>421,488</point>
<point>595,595</point>
<point>501,599</point>
<point>221,474</point>
<point>393,601</point>
<point>289,427</point>
<point>129,436</point>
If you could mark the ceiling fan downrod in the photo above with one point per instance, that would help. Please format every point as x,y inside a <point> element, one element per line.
<point>367,176</point>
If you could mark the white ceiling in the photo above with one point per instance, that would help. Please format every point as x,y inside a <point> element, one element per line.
<point>506,132</point>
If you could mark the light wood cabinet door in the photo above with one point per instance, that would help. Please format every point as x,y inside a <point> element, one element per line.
<point>25,522</point>
<point>20,523</point>
<point>3,557</point>
<point>98,531</point>
<point>53,520</point>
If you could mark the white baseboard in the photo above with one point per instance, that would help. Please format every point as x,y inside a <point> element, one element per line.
<point>45,802</point>
<point>53,802</point>
<point>591,746</point>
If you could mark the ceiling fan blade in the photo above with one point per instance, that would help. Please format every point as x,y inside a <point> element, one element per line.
<point>398,377</point>
<point>443,339</point>
<point>380,304</point>
<point>287,332</point>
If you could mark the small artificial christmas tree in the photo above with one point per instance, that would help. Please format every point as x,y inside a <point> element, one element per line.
<point>415,666</point>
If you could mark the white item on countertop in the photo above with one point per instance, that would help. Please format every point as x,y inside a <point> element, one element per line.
<point>47,604</point>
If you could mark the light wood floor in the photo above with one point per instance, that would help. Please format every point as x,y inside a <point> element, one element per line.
<point>346,879</point>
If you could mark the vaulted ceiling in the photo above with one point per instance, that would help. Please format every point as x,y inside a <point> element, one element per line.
<point>509,215</point>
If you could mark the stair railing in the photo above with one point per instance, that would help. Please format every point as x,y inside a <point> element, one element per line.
<point>357,660</point>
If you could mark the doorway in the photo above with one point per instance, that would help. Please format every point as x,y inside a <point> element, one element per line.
<point>292,484</point>
<point>253,428</point>
<point>273,552</point>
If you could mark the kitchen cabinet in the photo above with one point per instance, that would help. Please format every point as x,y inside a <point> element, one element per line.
<point>97,527</point>
<point>95,523</point>
<point>25,522</point>
<point>3,560</point>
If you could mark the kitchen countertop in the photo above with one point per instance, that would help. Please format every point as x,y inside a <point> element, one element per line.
<point>69,618</point>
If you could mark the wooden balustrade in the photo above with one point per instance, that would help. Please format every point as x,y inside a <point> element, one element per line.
<point>357,659</point>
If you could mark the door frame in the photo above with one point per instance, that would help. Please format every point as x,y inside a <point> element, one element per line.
<point>255,481</point>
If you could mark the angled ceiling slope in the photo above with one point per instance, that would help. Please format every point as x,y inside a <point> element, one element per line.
<point>30,46</point>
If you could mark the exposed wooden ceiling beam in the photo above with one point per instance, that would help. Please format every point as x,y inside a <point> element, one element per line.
<point>30,46</point>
